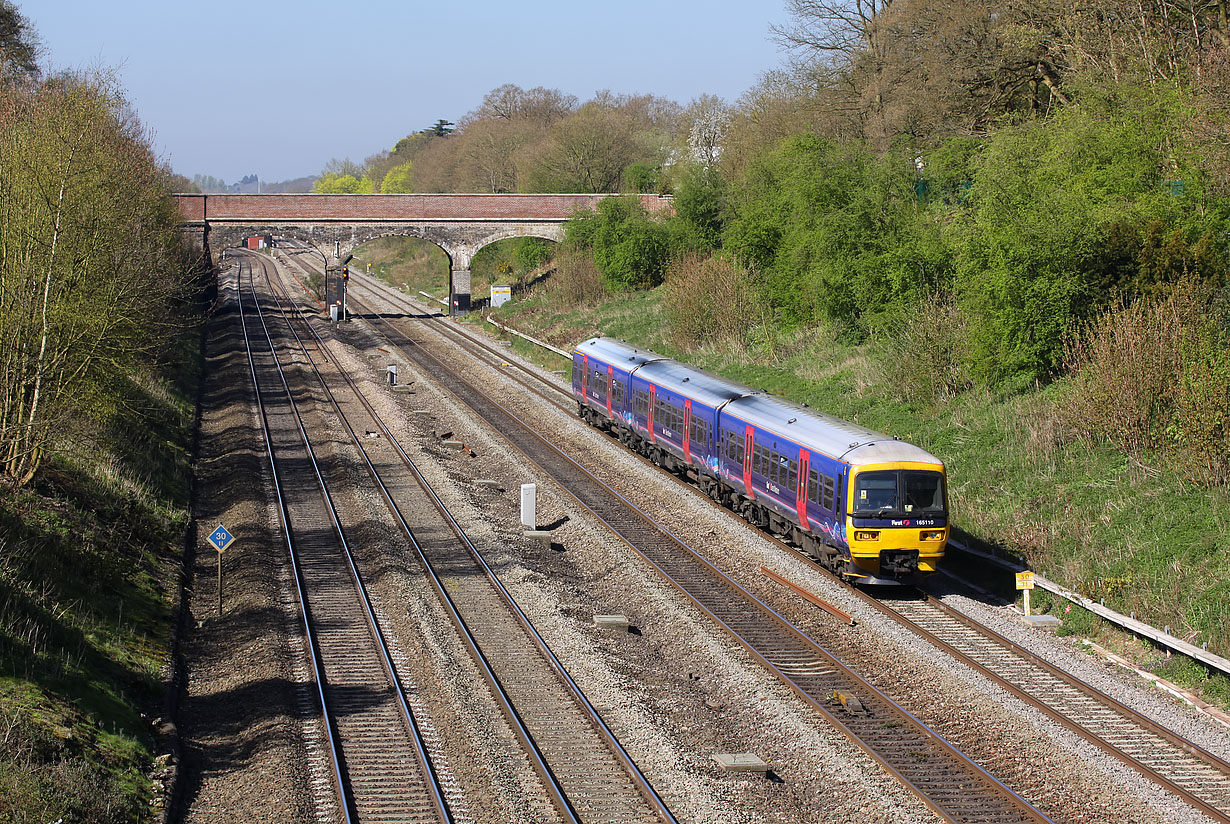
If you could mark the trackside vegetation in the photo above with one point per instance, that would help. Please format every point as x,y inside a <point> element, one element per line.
<point>1000,231</point>
<point>99,364</point>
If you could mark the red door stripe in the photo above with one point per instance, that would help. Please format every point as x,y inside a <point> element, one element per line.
<point>801,492</point>
<point>748,442</point>
<point>686,434</point>
<point>610,388</point>
<point>652,437</point>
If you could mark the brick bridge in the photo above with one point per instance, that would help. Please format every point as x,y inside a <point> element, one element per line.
<point>460,224</point>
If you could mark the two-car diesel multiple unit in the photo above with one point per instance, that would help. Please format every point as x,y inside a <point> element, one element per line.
<point>869,507</point>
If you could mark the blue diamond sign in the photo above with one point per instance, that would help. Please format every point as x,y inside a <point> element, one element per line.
<point>220,538</point>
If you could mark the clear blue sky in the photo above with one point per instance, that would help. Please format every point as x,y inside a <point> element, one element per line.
<point>278,87</point>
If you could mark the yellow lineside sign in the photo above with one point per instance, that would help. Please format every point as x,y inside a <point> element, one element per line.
<point>1025,580</point>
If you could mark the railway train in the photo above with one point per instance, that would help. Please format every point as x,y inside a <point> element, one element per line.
<point>869,507</point>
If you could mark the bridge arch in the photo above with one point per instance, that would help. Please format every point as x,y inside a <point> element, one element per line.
<point>460,224</point>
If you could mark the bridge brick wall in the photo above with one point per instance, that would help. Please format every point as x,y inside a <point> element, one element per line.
<point>358,209</point>
<point>460,224</point>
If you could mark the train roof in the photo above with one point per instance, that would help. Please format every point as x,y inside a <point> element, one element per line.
<point>617,352</point>
<point>696,384</point>
<point>854,444</point>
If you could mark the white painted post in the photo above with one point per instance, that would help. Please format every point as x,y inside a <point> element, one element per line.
<point>529,506</point>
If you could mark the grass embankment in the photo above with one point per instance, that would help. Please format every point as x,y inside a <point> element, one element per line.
<point>414,265</point>
<point>90,556</point>
<point>417,265</point>
<point>1136,534</point>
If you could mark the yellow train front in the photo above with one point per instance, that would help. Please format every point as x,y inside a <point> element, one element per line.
<point>869,507</point>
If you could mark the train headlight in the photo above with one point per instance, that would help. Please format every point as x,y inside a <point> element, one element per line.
<point>866,536</point>
<point>932,535</point>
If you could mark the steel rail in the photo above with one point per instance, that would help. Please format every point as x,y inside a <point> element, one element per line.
<point>331,734</point>
<point>407,716</point>
<point>537,758</point>
<point>542,766</point>
<point>1023,810</point>
<point>441,323</point>
<point>1144,722</point>
<point>1220,814</point>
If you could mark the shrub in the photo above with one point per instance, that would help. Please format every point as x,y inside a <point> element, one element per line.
<point>577,281</point>
<point>923,348</point>
<point>1155,375</point>
<point>708,299</point>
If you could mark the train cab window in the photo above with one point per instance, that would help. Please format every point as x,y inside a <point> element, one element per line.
<point>876,492</point>
<point>923,492</point>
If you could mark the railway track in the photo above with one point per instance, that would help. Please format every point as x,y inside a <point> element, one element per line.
<point>381,769</point>
<point>949,783</point>
<point>1198,777</point>
<point>1193,774</point>
<point>587,773</point>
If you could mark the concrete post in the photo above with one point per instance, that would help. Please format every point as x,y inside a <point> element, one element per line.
<point>459,291</point>
<point>529,506</point>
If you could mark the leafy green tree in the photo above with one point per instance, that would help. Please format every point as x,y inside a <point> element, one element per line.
<point>529,253</point>
<point>641,177</point>
<point>699,218</point>
<point>1065,214</point>
<point>400,178</point>
<point>334,184</point>
<point>630,247</point>
<point>835,229</point>
<point>91,261</point>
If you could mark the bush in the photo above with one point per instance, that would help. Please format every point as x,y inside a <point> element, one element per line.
<point>709,299</point>
<point>630,248</point>
<point>923,348</point>
<point>576,280</point>
<point>1155,375</point>
<point>1123,365</point>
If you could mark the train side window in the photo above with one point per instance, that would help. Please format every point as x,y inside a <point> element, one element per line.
<point>827,501</point>
<point>813,486</point>
<point>792,474</point>
<point>577,371</point>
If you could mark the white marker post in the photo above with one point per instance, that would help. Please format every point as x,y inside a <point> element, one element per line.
<point>529,506</point>
<point>1025,583</point>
